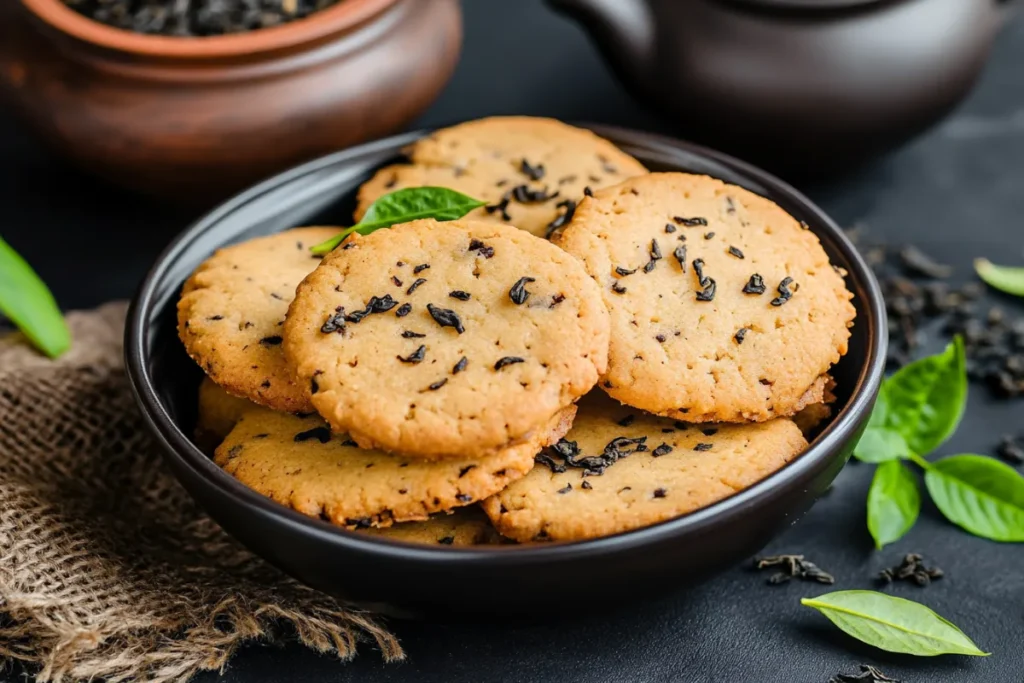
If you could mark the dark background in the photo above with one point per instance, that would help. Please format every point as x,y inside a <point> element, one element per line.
<point>958,192</point>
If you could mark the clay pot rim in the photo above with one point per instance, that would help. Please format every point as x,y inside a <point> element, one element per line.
<point>339,18</point>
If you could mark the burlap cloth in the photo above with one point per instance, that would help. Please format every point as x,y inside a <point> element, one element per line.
<point>107,568</point>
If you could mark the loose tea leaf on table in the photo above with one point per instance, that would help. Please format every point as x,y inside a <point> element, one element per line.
<point>1004,278</point>
<point>793,566</point>
<point>927,398</point>
<point>25,299</point>
<point>894,503</point>
<point>879,443</point>
<point>868,674</point>
<point>402,206</point>
<point>911,568</point>
<point>918,408</point>
<point>979,494</point>
<point>893,624</point>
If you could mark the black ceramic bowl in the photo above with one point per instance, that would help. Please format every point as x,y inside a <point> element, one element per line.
<point>413,580</point>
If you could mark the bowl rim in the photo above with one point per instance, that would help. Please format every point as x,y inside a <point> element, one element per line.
<point>343,16</point>
<point>841,429</point>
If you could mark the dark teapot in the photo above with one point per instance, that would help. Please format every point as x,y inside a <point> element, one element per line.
<point>802,86</point>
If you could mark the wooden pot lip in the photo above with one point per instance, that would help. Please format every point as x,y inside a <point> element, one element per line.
<point>338,18</point>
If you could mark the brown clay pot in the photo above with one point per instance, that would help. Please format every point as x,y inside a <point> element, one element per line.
<point>194,119</point>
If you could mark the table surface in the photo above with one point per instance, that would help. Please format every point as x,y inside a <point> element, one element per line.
<point>957,192</point>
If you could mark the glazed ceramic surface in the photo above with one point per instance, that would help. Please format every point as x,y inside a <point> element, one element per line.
<point>505,580</point>
<point>196,119</point>
<point>802,86</point>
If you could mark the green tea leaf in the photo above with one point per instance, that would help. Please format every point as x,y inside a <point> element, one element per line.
<point>30,305</point>
<point>402,206</point>
<point>893,624</point>
<point>894,502</point>
<point>1003,278</point>
<point>979,494</point>
<point>926,399</point>
<point>881,445</point>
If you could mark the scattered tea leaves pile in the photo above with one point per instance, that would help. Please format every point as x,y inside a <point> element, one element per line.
<point>913,569</point>
<point>920,299</point>
<point>196,18</point>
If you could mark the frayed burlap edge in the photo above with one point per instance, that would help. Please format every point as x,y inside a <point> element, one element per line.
<point>108,570</point>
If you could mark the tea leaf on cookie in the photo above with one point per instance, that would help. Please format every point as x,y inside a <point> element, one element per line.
<point>402,206</point>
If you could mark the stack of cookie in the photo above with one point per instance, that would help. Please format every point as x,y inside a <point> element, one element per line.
<point>427,367</point>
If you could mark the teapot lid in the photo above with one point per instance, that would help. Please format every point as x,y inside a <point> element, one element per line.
<point>809,4</point>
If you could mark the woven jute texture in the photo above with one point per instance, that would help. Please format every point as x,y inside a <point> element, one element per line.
<point>108,570</point>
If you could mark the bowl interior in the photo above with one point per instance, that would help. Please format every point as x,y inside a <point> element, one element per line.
<point>322,192</point>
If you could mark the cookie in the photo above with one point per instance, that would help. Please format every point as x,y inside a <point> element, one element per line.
<point>630,469</point>
<point>723,306</point>
<point>814,415</point>
<point>447,339</point>
<point>231,312</point>
<point>218,413</point>
<point>531,171</point>
<point>298,462</point>
<point>466,526</point>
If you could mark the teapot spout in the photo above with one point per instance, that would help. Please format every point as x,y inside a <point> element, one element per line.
<point>624,31</point>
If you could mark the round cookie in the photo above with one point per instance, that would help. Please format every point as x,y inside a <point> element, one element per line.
<point>632,469</point>
<point>723,307</point>
<point>218,413</point>
<point>814,415</point>
<point>466,526</point>
<point>298,462</point>
<point>231,312</point>
<point>531,171</point>
<point>442,340</point>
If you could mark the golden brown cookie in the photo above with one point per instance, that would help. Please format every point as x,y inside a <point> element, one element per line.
<point>627,469</point>
<point>218,413</point>
<point>232,309</point>
<point>723,306</point>
<point>465,526</point>
<point>298,462</point>
<point>442,340</point>
<point>531,171</point>
<point>814,415</point>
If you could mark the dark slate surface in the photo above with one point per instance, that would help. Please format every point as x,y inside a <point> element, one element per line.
<point>956,191</point>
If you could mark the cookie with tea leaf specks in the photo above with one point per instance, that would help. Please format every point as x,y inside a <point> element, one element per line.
<point>232,310</point>
<point>297,461</point>
<point>531,171</point>
<point>723,306</point>
<point>442,340</point>
<point>467,526</point>
<point>620,469</point>
<point>816,414</point>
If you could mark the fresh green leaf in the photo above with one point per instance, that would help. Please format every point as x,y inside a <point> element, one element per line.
<point>926,399</point>
<point>880,412</point>
<point>893,624</point>
<point>412,203</point>
<point>881,445</point>
<point>878,443</point>
<point>894,502</point>
<point>30,305</point>
<point>402,206</point>
<point>979,494</point>
<point>330,245</point>
<point>1003,278</point>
